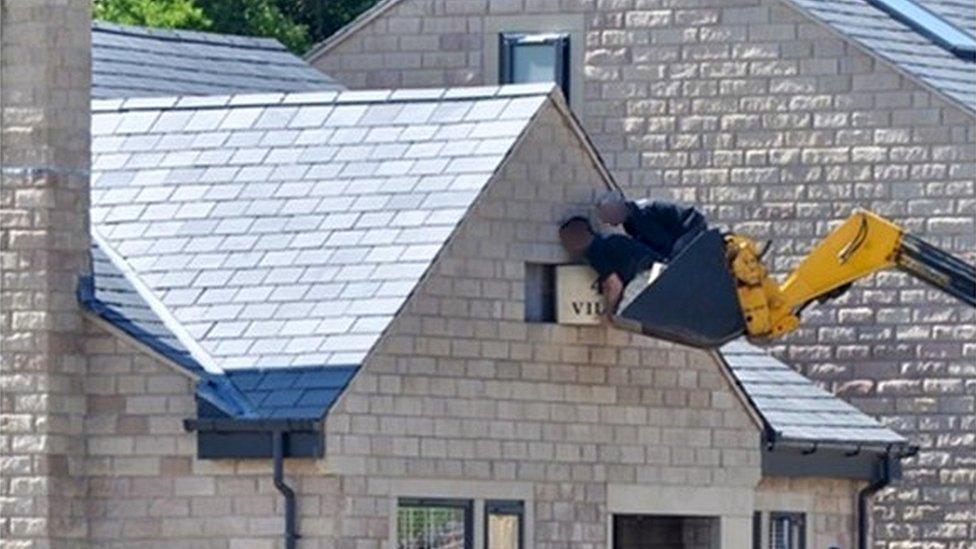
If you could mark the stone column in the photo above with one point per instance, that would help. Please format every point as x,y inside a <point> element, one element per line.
<point>45,87</point>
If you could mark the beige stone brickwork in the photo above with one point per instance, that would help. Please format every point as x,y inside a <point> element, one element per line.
<point>776,127</point>
<point>147,489</point>
<point>462,388</point>
<point>829,505</point>
<point>460,397</point>
<point>44,157</point>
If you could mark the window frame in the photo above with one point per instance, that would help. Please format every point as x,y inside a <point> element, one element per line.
<point>798,519</point>
<point>467,505</point>
<point>505,508</point>
<point>562,48</point>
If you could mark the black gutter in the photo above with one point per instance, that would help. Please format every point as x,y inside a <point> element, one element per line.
<point>279,430</point>
<point>291,535</point>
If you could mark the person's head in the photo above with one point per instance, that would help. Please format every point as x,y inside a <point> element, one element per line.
<point>612,208</point>
<point>576,234</point>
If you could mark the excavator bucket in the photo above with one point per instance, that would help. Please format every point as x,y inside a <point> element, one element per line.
<point>692,302</point>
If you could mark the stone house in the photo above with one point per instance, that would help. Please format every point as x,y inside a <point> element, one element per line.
<point>776,117</point>
<point>337,283</point>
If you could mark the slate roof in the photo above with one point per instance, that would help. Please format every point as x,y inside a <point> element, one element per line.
<point>115,299</point>
<point>129,61</point>
<point>906,48</point>
<point>286,230</point>
<point>794,409</point>
<point>858,20</point>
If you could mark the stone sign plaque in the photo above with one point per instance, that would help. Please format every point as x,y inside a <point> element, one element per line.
<point>577,299</point>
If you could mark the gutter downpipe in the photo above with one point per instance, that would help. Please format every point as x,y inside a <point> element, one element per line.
<point>864,496</point>
<point>278,449</point>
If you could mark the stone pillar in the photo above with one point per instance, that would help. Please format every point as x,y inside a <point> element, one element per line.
<point>45,88</point>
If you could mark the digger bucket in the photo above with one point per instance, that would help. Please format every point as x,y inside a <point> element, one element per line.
<point>692,302</point>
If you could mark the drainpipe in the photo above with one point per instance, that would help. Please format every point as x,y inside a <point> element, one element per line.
<point>864,497</point>
<point>278,444</point>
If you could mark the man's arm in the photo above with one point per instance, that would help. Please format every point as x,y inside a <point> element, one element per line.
<point>612,289</point>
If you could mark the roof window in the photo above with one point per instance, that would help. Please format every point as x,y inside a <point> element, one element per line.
<point>946,35</point>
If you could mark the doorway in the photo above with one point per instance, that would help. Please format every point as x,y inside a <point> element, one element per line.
<point>664,532</point>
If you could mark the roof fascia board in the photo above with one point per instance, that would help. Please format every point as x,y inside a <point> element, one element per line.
<point>351,28</point>
<point>878,57</point>
<point>576,126</point>
<point>825,463</point>
<point>738,391</point>
<point>115,331</point>
<point>172,324</point>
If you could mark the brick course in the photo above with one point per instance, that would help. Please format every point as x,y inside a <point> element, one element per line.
<point>459,390</point>
<point>778,128</point>
<point>44,158</point>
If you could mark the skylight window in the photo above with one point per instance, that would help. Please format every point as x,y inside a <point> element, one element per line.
<point>958,42</point>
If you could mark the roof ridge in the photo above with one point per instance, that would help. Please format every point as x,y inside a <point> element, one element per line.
<point>299,99</point>
<point>184,35</point>
<point>197,352</point>
<point>349,29</point>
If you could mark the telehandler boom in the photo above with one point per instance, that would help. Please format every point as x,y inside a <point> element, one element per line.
<point>718,288</point>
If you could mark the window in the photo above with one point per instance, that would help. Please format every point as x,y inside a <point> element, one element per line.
<point>535,58</point>
<point>787,531</point>
<point>503,525</point>
<point>540,292</point>
<point>434,524</point>
<point>927,23</point>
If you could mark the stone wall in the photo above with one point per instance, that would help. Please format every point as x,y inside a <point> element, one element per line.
<point>461,393</point>
<point>461,388</point>
<point>147,488</point>
<point>830,506</point>
<point>777,128</point>
<point>44,158</point>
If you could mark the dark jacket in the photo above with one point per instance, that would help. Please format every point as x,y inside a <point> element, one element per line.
<point>660,225</point>
<point>619,254</point>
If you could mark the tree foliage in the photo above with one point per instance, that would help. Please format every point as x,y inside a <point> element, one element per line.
<point>297,24</point>
<point>177,14</point>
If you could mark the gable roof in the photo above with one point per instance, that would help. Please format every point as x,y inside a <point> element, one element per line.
<point>793,409</point>
<point>283,231</point>
<point>875,31</point>
<point>130,61</point>
<point>914,54</point>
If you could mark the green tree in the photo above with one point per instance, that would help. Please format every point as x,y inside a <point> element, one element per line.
<point>323,17</point>
<point>256,18</point>
<point>295,23</point>
<point>177,14</point>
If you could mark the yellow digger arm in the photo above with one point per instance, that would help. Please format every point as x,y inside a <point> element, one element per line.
<point>864,244</point>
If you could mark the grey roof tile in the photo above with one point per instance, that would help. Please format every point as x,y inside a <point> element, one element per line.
<point>906,48</point>
<point>794,408</point>
<point>276,250</point>
<point>138,62</point>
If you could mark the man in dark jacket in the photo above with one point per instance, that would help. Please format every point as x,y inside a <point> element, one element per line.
<point>616,258</point>
<point>665,227</point>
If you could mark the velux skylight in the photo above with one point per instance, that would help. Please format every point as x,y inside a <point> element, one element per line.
<point>957,41</point>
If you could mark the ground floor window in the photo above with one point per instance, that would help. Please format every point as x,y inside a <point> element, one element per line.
<point>503,524</point>
<point>787,531</point>
<point>434,524</point>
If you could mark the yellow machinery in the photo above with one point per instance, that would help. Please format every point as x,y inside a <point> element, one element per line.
<point>718,287</point>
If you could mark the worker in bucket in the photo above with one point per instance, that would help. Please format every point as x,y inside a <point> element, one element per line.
<point>664,227</point>
<point>624,265</point>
